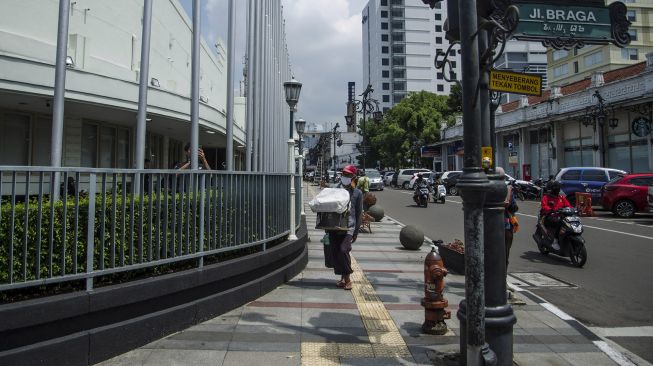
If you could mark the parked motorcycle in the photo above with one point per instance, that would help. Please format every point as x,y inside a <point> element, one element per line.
<point>421,195</point>
<point>439,193</point>
<point>526,191</point>
<point>570,240</point>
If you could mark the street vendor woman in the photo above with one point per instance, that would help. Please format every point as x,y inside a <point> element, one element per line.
<point>341,240</point>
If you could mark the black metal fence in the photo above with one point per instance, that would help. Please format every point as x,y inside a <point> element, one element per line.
<point>107,221</point>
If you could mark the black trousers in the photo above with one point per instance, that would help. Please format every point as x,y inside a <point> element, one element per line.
<point>341,259</point>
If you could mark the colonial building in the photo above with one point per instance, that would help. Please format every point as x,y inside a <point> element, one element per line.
<point>602,120</point>
<point>102,85</point>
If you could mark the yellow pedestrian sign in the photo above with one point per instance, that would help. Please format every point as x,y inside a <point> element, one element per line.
<point>515,82</point>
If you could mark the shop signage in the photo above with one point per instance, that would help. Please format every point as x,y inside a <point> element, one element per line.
<point>431,151</point>
<point>513,159</point>
<point>515,82</point>
<point>562,26</point>
<point>641,126</point>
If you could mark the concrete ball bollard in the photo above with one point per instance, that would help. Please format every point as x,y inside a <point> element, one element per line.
<point>376,212</point>
<point>411,237</point>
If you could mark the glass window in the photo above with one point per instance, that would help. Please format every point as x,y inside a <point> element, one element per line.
<point>573,174</point>
<point>593,59</point>
<point>385,49</point>
<point>438,28</point>
<point>629,53</point>
<point>386,86</point>
<point>385,73</point>
<point>386,99</point>
<point>440,88</point>
<point>397,25</point>
<point>385,61</point>
<point>557,55</point>
<point>14,139</point>
<point>619,152</point>
<point>631,15</point>
<point>639,149</point>
<point>438,40</point>
<point>438,16</point>
<point>41,141</point>
<point>384,25</point>
<point>384,37</point>
<point>561,70</point>
<point>633,34</point>
<point>595,175</point>
<point>384,13</point>
<point>614,175</point>
<point>122,149</point>
<point>89,145</point>
<point>107,147</point>
<point>384,2</point>
<point>399,49</point>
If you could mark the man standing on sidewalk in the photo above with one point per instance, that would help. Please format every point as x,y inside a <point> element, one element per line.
<point>340,241</point>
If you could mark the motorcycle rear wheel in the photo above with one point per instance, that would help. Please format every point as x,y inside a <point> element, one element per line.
<point>578,254</point>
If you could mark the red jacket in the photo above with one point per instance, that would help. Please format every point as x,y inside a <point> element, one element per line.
<point>551,203</point>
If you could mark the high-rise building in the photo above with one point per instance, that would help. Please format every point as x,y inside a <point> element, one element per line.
<point>568,66</point>
<point>400,41</point>
<point>523,56</point>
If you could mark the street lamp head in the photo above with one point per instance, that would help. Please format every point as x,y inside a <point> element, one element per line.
<point>378,116</point>
<point>349,119</point>
<point>292,89</point>
<point>300,125</point>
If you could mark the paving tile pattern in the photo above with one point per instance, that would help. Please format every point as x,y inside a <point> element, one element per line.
<point>309,321</point>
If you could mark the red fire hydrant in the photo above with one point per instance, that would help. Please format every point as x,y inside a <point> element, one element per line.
<point>434,302</point>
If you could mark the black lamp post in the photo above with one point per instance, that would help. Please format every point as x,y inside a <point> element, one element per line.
<point>292,89</point>
<point>335,134</point>
<point>598,115</point>
<point>367,106</point>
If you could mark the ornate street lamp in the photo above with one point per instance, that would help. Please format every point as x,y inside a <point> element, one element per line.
<point>292,89</point>
<point>300,126</point>
<point>367,106</point>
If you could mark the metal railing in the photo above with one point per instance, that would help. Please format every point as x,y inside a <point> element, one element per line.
<point>108,221</point>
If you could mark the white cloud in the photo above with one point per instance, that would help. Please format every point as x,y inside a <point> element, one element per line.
<point>324,39</point>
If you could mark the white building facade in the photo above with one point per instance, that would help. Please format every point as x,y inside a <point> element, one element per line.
<point>102,85</point>
<point>400,41</point>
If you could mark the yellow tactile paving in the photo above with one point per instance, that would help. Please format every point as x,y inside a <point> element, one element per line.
<point>384,350</point>
<point>316,349</point>
<point>384,337</point>
<point>388,338</point>
<point>355,350</point>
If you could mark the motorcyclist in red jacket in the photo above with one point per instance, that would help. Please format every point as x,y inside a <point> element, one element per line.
<point>551,202</point>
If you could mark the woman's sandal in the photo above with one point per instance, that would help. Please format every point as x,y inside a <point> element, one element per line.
<point>341,283</point>
<point>347,285</point>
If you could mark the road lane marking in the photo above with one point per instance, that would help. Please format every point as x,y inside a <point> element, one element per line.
<point>555,310</point>
<point>615,355</point>
<point>589,226</point>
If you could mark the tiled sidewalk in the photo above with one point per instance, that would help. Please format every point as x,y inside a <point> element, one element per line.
<point>309,321</point>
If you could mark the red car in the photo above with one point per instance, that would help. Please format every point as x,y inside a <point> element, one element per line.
<point>626,194</point>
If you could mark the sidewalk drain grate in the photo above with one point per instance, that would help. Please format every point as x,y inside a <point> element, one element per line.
<point>537,279</point>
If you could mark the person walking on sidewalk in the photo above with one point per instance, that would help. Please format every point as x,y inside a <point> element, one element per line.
<point>340,241</point>
<point>511,225</point>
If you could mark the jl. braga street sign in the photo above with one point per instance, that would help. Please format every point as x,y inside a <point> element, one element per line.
<point>560,26</point>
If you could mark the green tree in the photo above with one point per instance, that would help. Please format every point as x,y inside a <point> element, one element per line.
<point>412,123</point>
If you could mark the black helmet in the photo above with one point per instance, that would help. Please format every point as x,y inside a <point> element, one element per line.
<point>554,187</point>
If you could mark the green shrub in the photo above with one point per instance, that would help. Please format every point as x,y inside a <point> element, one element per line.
<point>119,249</point>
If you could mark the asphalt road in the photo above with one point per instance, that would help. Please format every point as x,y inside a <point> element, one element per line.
<point>613,290</point>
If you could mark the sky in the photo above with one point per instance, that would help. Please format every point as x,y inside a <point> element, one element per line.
<point>325,44</point>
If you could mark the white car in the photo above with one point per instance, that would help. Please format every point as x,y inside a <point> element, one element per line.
<point>405,175</point>
<point>376,181</point>
<point>387,178</point>
<point>425,175</point>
